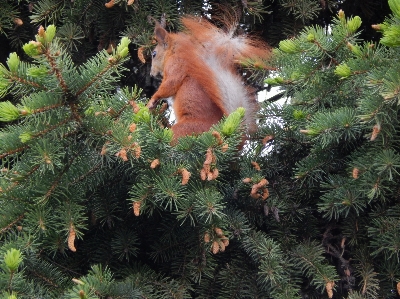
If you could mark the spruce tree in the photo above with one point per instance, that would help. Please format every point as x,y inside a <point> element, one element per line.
<point>97,203</point>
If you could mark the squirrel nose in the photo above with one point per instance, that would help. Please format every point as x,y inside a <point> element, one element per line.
<point>156,74</point>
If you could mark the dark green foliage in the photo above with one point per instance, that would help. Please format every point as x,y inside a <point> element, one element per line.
<point>97,203</point>
<point>343,100</point>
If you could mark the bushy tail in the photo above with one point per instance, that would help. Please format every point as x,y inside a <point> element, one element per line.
<point>222,51</point>
<point>225,43</point>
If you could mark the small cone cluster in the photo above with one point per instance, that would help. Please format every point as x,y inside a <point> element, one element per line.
<point>355,172</point>
<point>155,163</point>
<point>71,238</point>
<point>110,4</point>
<point>247,180</point>
<point>207,237</point>
<point>329,288</point>
<point>224,147</point>
<point>41,32</point>
<point>206,173</point>
<point>185,175</point>
<point>256,165</point>
<point>77,281</point>
<point>110,48</point>
<point>135,147</point>
<point>18,22</point>
<point>104,148</point>
<point>217,136</point>
<point>122,154</point>
<point>132,127</point>
<point>375,132</point>
<point>258,190</point>
<point>136,207</point>
<point>220,241</point>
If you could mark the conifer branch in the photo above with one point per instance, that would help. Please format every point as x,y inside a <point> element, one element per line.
<point>112,63</point>
<point>27,82</point>
<point>58,179</point>
<point>46,279</point>
<point>313,266</point>
<point>47,13</point>
<point>82,177</point>
<point>47,108</point>
<point>74,109</point>
<point>87,8</point>
<point>9,188</point>
<point>52,188</point>
<point>336,104</point>
<point>34,169</point>
<point>73,132</point>
<point>123,108</point>
<point>18,150</point>
<point>4,229</point>
<point>306,173</point>
<point>56,71</point>
<point>326,52</point>
<point>341,44</point>
<point>334,88</point>
<point>46,258</point>
<point>15,184</point>
<point>41,133</point>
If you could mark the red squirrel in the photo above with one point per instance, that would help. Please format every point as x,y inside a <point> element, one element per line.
<point>199,70</point>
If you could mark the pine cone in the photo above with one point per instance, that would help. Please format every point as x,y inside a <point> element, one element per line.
<point>136,208</point>
<point>71,238</point>
<point>215,247</point>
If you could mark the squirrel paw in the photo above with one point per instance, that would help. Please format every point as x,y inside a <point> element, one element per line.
<point>152,104</point>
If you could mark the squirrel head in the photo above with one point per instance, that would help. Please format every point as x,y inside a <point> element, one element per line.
<point>159,52</point>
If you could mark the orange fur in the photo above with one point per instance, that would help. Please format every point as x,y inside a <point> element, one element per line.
<point>199,72</point>
<point>229,47</point>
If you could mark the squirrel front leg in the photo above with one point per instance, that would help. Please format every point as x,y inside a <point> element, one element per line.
<point>152,103</point>
<point>172,81</point>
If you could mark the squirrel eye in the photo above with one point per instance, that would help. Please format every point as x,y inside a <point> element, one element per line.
<point>153,54</point>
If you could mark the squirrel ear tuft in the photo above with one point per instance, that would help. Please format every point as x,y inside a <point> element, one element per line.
<point>161,34</point>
